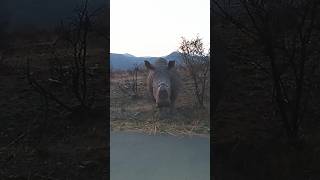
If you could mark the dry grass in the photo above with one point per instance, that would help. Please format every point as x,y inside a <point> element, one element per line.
<point>64,144</point>
<point>140,114</point>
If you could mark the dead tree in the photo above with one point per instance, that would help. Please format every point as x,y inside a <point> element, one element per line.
<point>75,34</point>
<point>198,66</point>
<point>285,32</point>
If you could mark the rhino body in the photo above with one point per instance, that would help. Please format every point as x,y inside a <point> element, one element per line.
<point>163,82</point>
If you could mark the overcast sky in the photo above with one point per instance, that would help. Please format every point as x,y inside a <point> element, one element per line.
<point>155,27</point>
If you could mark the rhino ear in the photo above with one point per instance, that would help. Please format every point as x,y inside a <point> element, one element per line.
<point>171,64</point>
<point>148,65</point>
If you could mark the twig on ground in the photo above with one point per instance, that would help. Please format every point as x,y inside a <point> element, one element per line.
<point>21,136</point>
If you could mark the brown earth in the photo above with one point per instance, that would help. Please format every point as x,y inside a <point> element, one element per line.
<point>59,145</point>
<point>138,113</point>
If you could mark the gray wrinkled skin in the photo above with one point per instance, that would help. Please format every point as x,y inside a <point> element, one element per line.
<point>163,82</point>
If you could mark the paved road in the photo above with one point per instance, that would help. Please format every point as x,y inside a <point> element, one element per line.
<point>136,156</point>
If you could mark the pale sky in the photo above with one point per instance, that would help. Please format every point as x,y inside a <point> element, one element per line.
<point>155,27</point>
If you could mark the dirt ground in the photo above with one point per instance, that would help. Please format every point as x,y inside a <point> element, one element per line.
<point>138,112</point>
<point>56,145</point>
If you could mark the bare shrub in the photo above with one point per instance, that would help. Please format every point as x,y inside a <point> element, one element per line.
<point>130,86</point>
<point>74,74</point>
<point>285,33</point>
<point>197,63</point>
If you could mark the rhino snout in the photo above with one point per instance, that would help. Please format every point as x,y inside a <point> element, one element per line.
<point>163,94</point>
<point>163,97</point>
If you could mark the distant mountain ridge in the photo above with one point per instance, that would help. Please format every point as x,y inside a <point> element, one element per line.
<point>127,61</point>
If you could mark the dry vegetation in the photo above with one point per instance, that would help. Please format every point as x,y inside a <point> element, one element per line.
<point>250,139</point>
<point>48,142</point>
<point>40,138</point>
<point>138,113</point>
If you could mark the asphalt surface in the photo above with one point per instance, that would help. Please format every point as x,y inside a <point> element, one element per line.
<point>136,156</point>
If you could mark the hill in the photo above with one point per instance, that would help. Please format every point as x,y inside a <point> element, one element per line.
<point>127,61</point>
